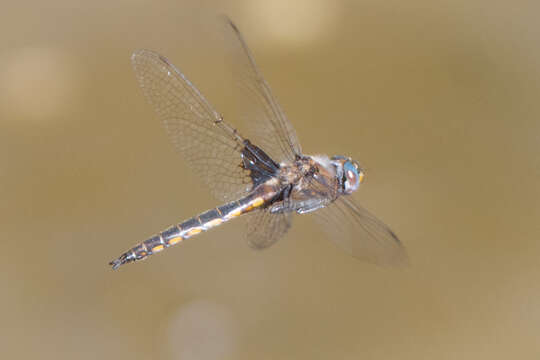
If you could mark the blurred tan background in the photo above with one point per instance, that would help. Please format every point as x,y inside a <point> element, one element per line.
<point>439,100</point>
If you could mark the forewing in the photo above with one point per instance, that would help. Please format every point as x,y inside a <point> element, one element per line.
<point>361,234</point>
<point>211,147</point>
<point>265,228</point>
<point>268,126</point>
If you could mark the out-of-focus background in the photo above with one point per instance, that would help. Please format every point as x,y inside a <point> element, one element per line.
<point>438,100</point>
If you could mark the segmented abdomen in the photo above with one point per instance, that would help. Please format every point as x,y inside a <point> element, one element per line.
<point>189,228</point>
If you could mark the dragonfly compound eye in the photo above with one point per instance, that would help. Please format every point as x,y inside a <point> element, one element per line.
<point>353,176</point>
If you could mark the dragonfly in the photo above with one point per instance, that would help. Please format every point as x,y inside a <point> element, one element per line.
<point>266,179</point>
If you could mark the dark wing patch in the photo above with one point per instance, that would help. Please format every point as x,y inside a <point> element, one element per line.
<point>260,166</point>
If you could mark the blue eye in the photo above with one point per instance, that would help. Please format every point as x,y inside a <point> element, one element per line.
<point>348,166</point>
<point>352,177</point>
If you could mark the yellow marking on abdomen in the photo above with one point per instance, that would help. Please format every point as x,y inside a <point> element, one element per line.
<point>158,248</point>
<point>254,203</point>
<point>257,202</point>
<point>235,213</point>
<point>175,240</point>
<point>193,232</point>
<point>213,223</point>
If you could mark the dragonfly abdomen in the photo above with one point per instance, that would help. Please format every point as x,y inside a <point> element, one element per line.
<point>189,228</point>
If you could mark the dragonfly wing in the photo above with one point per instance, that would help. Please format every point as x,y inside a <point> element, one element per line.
<point>211,147</point>
<point>265,228</point>
<point>361,234</point>
<point>268,126</point>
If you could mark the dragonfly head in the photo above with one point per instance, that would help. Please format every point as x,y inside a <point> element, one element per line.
<point>349,174</point>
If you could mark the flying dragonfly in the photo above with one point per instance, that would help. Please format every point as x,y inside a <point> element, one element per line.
<point>268,179</point>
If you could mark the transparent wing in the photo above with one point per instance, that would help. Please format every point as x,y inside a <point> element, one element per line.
<point>265,229</point>
<point>211,147</point>
<point>361,234</point>
<point>268,126</point>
